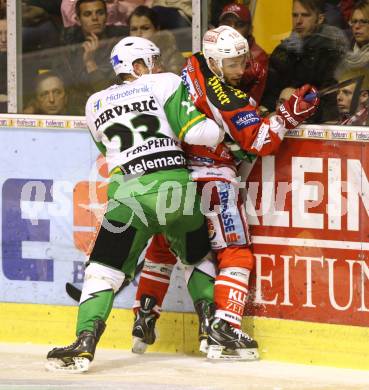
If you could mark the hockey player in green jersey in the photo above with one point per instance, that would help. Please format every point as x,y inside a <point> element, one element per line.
<point>138,125</point>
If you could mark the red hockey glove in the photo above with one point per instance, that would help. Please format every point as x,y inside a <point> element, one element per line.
<point>253,80</point>
<point>296,110</point>
<point>254,73</point>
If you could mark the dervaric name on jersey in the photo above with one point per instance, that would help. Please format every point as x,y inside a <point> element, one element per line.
<point>135,106</point>
<point>130,122</point>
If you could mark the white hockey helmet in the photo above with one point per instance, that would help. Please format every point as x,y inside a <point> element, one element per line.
<point>223,42</point>
<point>130,49</point>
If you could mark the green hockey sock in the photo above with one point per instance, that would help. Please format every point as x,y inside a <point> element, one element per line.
<point>201,286</point>
<point>98,307</point>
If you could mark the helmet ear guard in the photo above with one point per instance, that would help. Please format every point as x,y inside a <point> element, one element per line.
<point>223,42</point>
<point>130,49</point>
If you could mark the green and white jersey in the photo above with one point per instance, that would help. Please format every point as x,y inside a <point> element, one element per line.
<point>138,125</point>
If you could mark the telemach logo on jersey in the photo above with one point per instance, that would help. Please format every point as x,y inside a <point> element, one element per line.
<point>154,162</point>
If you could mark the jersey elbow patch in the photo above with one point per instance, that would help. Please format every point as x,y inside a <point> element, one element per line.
<point>277,126</point>
<point>262,137</point>
<point>189,125</point>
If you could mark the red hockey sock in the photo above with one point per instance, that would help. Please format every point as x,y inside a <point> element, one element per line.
<point>154,281</point>
<point>230,294</point>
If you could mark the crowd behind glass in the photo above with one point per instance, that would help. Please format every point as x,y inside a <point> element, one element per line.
<point>66,46</point>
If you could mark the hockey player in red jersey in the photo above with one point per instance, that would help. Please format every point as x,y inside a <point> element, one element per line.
<point>212,78</point>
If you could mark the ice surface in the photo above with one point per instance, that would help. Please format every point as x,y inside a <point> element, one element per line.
<point>22,368</point>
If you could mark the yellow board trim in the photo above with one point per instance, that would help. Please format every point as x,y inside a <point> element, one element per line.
<point>280,340</point>
<point>190,123</point>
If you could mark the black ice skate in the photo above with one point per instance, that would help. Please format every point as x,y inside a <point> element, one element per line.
<point>143,332</point>
<point>77,356</point>
<point>205,312</point>
<point>227,342</point>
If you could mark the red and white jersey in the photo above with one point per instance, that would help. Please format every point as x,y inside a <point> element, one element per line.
<point>236,113</point>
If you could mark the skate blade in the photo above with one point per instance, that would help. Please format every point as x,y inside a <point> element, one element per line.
<point>79,365</point>
<point>204,346</point>
<point>219,352</point>
<point>139,346</point>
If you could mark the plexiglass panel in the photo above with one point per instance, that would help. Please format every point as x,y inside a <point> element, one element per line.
<point>67,46</point>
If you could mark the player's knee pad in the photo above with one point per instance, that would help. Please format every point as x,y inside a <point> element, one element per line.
<point>100,278</point>
<point>235,256</point>
<point>113,247</point>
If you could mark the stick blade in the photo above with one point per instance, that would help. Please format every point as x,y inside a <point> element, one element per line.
<point>73,291</point>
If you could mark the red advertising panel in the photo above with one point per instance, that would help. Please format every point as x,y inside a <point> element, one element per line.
<point>308,210</point>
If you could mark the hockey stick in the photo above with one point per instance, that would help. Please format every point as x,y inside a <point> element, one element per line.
<point>335,87</point>
<point>75,292</point>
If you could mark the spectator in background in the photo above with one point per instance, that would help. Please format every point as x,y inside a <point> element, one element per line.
<point>346,8</point>
<point>352,104</point>
<point>3,35</point>
<point>173,13</point>
<point>50,96</point>
<point>356,61</point>
<point>92,21</point>
<point>359,22</point>
<point>3,64</point>
<point>284,96</point>
<point>254,79</point>
<point>216,9</point>
<point>238,16</point>
<point>2,9</point>
<point>41,20</point>
<point>144,23</point>
<point>333,14</point>
<point>84,65</point>
<point>344,99</point>
<point>309,55</point>
<point>118,11</point>
<point>176,15</point>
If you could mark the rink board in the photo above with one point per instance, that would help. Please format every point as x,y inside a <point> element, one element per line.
<point>307,206</point>
<point>279,340</point>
